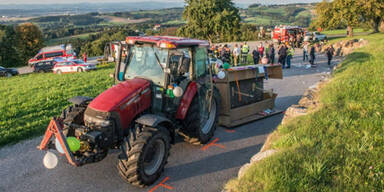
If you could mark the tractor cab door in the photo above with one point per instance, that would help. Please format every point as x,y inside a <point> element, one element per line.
<point>203,77</point>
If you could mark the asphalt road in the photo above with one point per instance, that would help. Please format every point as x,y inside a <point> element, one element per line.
<point>190,169</point>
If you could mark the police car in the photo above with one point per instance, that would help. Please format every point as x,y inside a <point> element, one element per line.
<point>71,66</point>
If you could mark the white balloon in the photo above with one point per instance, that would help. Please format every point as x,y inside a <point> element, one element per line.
<point>50,160</point>
<point>178,92</point>
<point>221,75</point>
<point>58,146</point>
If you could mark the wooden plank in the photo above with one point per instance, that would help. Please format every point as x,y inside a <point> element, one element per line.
<point>274,71</point>
<point>225,105</point>
<point>244,111</point>
<point>226,122</point>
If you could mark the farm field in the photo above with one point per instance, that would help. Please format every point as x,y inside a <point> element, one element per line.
<point>277,15</point>
<point>28,102</point>
<point>338,146</point>
<point>56,41</point>
<point>120,20</point>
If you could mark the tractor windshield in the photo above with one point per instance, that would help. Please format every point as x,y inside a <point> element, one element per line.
<point>146,62</point>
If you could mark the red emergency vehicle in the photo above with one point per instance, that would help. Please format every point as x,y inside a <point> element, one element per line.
<point>49,53</point>
<point>282,33</point>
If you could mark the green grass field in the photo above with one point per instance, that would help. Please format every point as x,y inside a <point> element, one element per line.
<point>337,147</point>
<point>28,102</point>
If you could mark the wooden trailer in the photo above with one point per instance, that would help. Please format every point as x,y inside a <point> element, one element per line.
<point>243,98</point>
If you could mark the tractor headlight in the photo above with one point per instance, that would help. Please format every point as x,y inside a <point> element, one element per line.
<point>96,121</point>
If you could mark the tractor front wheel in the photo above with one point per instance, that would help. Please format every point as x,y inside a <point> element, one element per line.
<point>146,151</point>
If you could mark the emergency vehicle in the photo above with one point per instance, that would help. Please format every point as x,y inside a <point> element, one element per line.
<point>52,52</point>
<point>72,66</point>
<point>282,33</point>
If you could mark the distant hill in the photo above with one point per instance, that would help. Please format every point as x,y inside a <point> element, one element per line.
<point>271,15</point>
<point>28,10</point>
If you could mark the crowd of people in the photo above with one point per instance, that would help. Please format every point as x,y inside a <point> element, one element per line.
<point>265,53</point>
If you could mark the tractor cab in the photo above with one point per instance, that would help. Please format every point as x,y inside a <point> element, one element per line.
<point>169,63</point>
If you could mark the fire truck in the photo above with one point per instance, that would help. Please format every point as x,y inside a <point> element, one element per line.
<point>282,33</point>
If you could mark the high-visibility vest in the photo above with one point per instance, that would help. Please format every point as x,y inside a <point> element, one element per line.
<point>291,51</point>
<point>245,49</point>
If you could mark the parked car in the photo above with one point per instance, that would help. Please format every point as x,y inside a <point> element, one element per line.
<point>43,67</point>
<point>317,36</point>
<point>50,53</point>
<point>72,66</point>
<point>6,72</point>
<point>308,37</point>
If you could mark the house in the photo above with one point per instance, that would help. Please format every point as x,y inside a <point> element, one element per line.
<point>157,27</point>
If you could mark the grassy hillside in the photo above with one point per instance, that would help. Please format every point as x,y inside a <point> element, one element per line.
<point>338,147</point>
<point>278,14</point>
<point>28,102</point>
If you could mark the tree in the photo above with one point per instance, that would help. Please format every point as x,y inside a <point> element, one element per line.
<point>373,12</point>
<point>325,15</point>
<point>214,20</point>
<point>349,13</point>
<point>339,12</point>
<point>29,40</point>
<point>8,54</point>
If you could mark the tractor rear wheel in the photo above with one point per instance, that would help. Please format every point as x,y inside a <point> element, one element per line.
<point>200,123</point>
<point>146,152</point>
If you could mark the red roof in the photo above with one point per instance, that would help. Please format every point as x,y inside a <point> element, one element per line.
<point>177,41</point>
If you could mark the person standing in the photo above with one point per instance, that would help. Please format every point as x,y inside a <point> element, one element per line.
<point>290,53</point>
<point>256,56</point>
<point>236,54</point>
<point>282,55</point>
<point>271,53</point>
<point>244,54</point>
<point>305,51</point>
<point>330,52</point>
<point>266,51</point>
<point>85,57</point>
<point>312,56</point>
<point>226,54</point>
<point>261,50</point>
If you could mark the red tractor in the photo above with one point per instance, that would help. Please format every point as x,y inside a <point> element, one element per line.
<point>164,87</point>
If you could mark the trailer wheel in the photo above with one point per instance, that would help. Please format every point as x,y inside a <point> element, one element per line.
<point>147,151</point>
<point>199,125</point>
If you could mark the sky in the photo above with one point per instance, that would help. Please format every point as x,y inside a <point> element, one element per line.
<point>105,1</point>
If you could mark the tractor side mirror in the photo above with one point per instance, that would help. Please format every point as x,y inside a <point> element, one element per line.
<point>184,63</point>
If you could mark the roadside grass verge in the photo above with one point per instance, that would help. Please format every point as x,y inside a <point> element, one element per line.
<point>337,147</point>
<point>28,102</point>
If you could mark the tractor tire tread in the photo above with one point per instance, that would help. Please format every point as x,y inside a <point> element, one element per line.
<point>129,169</point>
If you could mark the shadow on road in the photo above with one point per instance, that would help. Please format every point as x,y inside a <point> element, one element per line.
<point>213,163</point>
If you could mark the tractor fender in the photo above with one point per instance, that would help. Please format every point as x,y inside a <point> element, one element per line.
<point>79,100</point>
<point>186,101</point>
<point>153,121</point>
